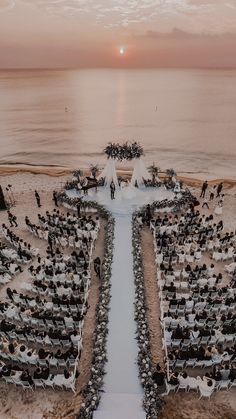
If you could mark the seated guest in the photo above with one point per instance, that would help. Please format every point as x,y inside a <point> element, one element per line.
<point>225,372</point>
<point>215,374</point>
<point>174,380</point>
<point>183,378</point>
<point>6,371</point>
<point>26,377</point>
<point>37,374</point>
<point>159,376</point>
<point>42,354</point>
<point>67,374</point>
<point>45,373</point>
<point>6,327</point>
<point>232,374</point>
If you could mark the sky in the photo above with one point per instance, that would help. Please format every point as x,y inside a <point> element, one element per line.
<point>91,33</point>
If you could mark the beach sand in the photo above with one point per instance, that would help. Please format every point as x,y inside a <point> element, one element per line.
<point>17,404</point>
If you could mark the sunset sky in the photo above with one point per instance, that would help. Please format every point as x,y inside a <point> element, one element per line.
<point>90,33</point>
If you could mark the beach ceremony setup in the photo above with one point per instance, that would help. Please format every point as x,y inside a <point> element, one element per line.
<point>156,329</point>
<point>117,209</point>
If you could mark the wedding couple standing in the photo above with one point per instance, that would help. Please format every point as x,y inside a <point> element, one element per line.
<point>125,190</point>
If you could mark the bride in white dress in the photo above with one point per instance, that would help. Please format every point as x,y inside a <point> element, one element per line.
<point>219,208</point>
<point>128,191</point>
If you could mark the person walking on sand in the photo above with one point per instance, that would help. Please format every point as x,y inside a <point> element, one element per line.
<point>14,220</point>
<point>112,188</point>
<point>204,188</point>
<point>10,218</point>
<point>37,197</point>
<point>219,189</point>
<point>54,198</point>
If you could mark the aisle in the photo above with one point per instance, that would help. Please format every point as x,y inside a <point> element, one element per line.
<point>122,393</point>
<point>122,397</point>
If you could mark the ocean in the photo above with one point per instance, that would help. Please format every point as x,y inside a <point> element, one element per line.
<point>184,119</point>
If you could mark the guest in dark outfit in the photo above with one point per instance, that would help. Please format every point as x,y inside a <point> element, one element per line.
<point>37,197</point>
<point>78,210</point>
<point>97,266</point>
<point>159,376</point>
<point>219,189</point>
<point>204,188</point>
<point>55,198</point>
<point>112,188</point>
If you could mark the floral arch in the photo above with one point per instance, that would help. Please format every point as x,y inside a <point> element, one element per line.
<point>120,152</point>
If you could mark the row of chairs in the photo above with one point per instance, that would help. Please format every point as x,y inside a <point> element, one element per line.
<point>181,364</point>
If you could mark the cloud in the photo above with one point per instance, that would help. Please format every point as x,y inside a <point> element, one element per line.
<point>179,34</point>
<point>122,10</point>
<point>211,15</point>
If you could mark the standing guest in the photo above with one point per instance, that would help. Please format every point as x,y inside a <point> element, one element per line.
<point>10,293</point>
<point>112,188</point>
<point>97,266</point>
<point>37,197</point>
<point>85,186</point>
<point>148,214</point>
<point>14,219</point>
<point>54,197</point>
<point>219,189</point>
<point>212,193</point>
<point>204,188</point>
<point>50,243</point>
<point>10,218</point>
<point>78,207</point>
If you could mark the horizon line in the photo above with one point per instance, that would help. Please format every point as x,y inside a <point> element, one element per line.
<point>58,68</point>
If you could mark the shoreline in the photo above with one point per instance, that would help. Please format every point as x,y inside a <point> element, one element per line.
<point>189,179</point>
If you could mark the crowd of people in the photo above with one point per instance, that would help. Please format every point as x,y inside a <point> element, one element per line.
<point>65,230</point>
<point>197,296</point>
<point>213,195</point>
<point>41,326</point>
<point>14,252</point>
<point>183,238</point>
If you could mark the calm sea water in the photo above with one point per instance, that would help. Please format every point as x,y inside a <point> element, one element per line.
<point>184,119</point>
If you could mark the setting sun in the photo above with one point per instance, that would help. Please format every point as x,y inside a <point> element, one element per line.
<point>122,50</point>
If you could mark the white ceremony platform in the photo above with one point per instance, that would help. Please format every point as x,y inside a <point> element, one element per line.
<point>122,392</point>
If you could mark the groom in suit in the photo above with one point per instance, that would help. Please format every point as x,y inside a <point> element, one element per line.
<point>112,188</point>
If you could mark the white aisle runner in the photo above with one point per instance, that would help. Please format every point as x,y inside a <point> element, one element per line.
<point>122,397</point>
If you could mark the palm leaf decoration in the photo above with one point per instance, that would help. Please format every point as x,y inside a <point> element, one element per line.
<point>154,171</point>
<point>170,173</point>
<point>78,173</point>
<point>94,170</point>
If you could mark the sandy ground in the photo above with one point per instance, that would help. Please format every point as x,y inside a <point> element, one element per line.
<point>186,405</point>
<point>16,404</point>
